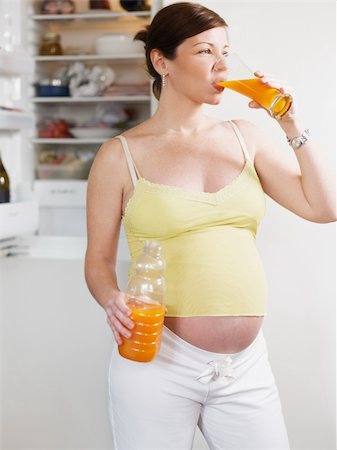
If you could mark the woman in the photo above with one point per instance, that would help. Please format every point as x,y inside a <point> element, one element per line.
<point>197,185</point>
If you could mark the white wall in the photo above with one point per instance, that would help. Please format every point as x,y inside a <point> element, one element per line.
<point>295,42</point>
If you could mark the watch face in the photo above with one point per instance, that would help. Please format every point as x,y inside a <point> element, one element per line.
<point>296,142</point>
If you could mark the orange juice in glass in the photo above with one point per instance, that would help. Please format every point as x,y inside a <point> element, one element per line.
<point>241,79</point>
<point>144,343</point>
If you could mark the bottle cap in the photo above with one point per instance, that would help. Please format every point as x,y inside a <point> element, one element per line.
<point>153,247</point>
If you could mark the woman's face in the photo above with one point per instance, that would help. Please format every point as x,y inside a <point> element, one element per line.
<point>199,64</point>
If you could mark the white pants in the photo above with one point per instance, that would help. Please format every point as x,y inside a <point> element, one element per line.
<point>232,398</point>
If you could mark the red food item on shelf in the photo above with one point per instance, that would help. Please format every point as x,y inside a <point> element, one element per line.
<point>58,128</point>
<point>58,7</point>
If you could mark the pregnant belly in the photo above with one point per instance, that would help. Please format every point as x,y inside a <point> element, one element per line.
<point>216,334</point>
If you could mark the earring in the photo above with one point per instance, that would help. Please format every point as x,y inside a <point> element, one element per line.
<point>163,81</point>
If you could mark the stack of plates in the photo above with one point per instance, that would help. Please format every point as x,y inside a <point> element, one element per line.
<point>94,133</point>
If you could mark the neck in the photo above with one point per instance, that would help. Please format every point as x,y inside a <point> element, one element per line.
<point>178,115</point>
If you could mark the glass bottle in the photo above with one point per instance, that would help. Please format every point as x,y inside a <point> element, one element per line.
<point>4,184</point>
<point>50,45</point>
<point>99,4</point>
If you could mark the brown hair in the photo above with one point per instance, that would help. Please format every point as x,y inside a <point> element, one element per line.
<point>170,27</point>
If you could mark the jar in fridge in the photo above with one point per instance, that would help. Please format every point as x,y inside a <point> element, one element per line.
<point>51,45</point>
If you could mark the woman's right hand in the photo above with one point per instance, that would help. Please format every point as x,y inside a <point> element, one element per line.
<point>118,317</point>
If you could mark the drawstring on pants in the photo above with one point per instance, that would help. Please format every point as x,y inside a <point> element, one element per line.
<point>220,369</point>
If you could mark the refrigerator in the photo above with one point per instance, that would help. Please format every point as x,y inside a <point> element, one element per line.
<point>49,137</point>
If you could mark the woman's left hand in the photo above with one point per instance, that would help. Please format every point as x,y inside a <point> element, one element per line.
<point>277,84</point>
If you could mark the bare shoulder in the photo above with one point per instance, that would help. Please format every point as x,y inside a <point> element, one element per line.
<point>109,167</point>
<point>252,135</point>
<point>109,153</point>
<point>248,129</point>
<point>140,131</point>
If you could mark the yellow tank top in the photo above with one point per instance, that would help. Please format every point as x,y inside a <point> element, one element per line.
<point>212,264</point>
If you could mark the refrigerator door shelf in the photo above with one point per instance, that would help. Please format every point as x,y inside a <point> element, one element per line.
<point>15,120</point>
<point>18,218</point>
<point>16,63</point>
<point>61,193</point>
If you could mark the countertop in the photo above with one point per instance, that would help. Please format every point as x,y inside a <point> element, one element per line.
<point>56,247</point>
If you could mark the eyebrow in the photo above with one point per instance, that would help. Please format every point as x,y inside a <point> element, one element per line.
<point>209,43</point>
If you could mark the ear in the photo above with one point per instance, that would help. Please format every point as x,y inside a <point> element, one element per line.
<point>158,61</point>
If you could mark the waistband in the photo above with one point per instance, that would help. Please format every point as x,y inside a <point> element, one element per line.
<point>174,341</point>
<point>212,365</point>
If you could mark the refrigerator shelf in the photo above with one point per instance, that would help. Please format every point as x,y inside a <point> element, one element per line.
<point>61,193</point>
<point>68,141</point>
<point>15,120</point>
<point>15,64</point>
<point>18,218</point>
<point>90,15</point>
<point>94,57</point>
<point>116,98</point>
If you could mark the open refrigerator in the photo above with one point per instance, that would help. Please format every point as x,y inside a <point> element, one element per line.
<point>49,138</point>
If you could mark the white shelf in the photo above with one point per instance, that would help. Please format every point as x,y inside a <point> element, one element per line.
<point>68,141</point>
<point>90,16</point>
<point>15,120</point>
<point>117,58</point>
<point>15,64</point>
<point>115,98</point>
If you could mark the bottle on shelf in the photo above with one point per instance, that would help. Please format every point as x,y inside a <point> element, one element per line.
<point>50,45</point>
<point>4,184</point>
<point>145,296</point>
<point>134,5</point>
<point>99,4</point>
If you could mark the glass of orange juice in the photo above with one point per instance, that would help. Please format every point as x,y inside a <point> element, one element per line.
<point>240,78</point>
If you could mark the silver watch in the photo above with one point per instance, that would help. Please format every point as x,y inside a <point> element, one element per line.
<point>297,141</point>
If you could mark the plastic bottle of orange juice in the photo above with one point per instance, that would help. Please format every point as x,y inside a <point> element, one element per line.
<point>145,298</point>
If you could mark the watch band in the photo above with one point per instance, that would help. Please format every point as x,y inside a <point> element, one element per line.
<point>297,141</point>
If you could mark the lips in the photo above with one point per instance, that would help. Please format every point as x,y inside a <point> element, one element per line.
<point>218,87</point>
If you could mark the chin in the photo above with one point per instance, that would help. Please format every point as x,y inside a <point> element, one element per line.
<point>214,101</point>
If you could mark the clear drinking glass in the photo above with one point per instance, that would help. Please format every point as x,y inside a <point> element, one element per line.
<point>241,78</point>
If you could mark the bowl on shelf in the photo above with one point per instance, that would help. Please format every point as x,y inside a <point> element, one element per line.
<point>117,44</point>
<point>94,133</point>
<point>52,88</point>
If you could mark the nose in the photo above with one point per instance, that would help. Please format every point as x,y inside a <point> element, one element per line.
<point>221,63</point>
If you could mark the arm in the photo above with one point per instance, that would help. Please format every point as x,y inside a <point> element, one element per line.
<point>104,209</point>
<point>305,187</point>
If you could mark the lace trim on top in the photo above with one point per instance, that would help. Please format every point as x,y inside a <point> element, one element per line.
<point>247,174</point>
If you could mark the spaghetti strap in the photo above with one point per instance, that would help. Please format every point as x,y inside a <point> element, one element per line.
<point>241,140</point>
<point>131,165</point>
